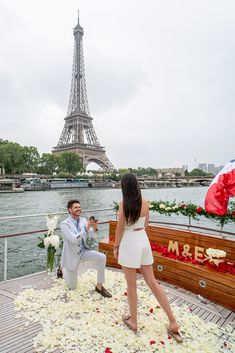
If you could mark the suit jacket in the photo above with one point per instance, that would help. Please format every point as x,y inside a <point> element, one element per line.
<point>73,246</point>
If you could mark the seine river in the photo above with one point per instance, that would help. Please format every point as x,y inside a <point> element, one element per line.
<point>24,257</point>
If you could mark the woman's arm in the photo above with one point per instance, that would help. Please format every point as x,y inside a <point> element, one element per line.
<point>119,229</point>
<point>147,214</point>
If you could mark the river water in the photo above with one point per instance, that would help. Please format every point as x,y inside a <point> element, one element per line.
<point>24,257</point>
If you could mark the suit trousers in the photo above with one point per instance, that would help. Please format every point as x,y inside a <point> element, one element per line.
<point>92,256</point>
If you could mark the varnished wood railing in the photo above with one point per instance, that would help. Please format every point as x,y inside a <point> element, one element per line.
<point>216,286</point>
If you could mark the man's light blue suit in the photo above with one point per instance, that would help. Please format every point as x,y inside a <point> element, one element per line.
<point>74,251</point>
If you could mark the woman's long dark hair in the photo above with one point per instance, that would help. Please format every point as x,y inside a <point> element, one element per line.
<point>132,199</point>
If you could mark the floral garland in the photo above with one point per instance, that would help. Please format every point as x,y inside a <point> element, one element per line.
<point>192,211</point>
<point>188,210</point>
<point>221,267</point>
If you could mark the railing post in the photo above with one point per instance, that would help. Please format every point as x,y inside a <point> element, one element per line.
<point>5,260</point>
<point>189,222</point>
<point>221,231</point>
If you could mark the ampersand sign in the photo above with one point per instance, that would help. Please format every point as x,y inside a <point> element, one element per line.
<point>186,252</point>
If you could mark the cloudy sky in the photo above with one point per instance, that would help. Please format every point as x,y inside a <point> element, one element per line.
<point>160,76</point>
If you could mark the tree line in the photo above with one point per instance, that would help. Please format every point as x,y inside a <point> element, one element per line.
<point>17,159</point>
<point>154,172</point>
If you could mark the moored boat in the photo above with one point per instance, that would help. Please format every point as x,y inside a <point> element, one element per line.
<point>10,185</point>
<point>68,183</point>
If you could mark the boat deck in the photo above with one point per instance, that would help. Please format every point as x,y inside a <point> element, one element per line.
<point>16,334</point>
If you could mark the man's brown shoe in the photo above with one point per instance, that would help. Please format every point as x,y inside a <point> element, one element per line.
<point>103,292</point>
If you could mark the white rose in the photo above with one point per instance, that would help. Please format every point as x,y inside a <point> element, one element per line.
<point>55,241</point>
<point>162,205</point>
<point>168,208</point>
<point>51,223</point>
<point>46,241</point>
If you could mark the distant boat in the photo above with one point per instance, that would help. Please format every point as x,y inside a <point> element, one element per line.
<point>101,184</point>
<point>10,185</point>
<point>35,184</point>
<point>68,183</point>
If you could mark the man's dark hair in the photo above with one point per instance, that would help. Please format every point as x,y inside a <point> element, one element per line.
<point>71,202</point>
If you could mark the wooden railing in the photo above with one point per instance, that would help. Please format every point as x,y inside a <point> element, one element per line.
<point>216,286</point>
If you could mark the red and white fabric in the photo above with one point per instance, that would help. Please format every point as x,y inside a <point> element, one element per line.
<point>220,190</point>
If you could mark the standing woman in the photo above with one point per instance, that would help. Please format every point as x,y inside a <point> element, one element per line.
<point>133,251</point>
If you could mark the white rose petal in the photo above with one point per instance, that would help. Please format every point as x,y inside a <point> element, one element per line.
<point>82,321</point>
<point>47,241</point>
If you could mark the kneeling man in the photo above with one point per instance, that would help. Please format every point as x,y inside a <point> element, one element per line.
<point>74,229</point>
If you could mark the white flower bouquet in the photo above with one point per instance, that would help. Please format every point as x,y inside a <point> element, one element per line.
<point>215,255</point>
<point>51,242</point>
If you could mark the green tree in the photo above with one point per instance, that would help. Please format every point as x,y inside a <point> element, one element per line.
<point>197,172</point>
<point>113,176</point>
<point>143,171</point>
<point>122,171</point>
<point>31,159</point>
<point>65,175</point>
<point>48,164</point>
<point>11,156</point>
<point>70,162</point>
<point>3,142</point>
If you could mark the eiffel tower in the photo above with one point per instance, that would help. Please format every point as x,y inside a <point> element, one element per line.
<point>78,134</point>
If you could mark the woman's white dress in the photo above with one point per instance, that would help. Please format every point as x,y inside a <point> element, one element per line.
<point>135,249</point>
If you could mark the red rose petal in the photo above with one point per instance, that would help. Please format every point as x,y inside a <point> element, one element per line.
<point>152,342</point>
<point>169,337</point>
<point>162,342</point>
<point>151,310</point>
<point>222,267</point>
<point>107,350</point>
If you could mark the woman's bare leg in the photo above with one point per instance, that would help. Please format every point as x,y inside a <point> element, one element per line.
<point>148,274</point>
<point>130,274</point>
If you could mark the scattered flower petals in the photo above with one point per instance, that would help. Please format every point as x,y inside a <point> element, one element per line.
<point>70,323</point>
